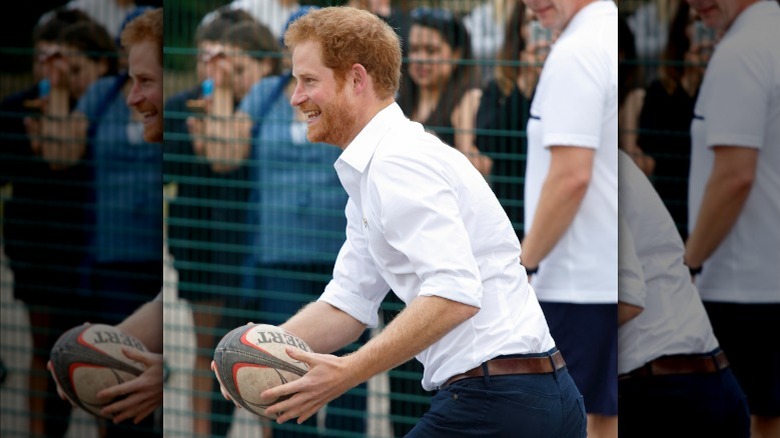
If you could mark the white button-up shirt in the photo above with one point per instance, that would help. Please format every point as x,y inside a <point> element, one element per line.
<point>422,221</point>
<point>652,276</point>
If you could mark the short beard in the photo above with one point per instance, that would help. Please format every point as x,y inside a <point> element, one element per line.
<point>336,125</point>
<point>154,135</point>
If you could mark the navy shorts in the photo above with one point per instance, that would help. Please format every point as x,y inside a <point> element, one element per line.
<point>747,333</point>
<point>508,406</point>
<point>586,334</point>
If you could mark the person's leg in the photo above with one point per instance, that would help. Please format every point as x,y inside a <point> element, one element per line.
<point>48,295</point>
<point>211,413</point>
<point>746,333</point>
<point>602,426</point>
<point>591,357</point>
<point>49,415</point>
<point>232,316</point>
<point>764,426</point>
<point>206,318</point>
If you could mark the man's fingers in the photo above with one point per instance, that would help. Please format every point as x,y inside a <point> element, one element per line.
<point>60,392</point>
<point>282,410</point>
<point>290,409</point>
<point>279,391</point>
<point>300,355</point>
<point>144,413</point>
<point>121,406</point>
<point>221,385</point>
<point>111,393</point>
<point>137,355</point>
<point>115,391</point>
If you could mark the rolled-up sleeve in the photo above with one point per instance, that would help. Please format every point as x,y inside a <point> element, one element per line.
<point>357,288</point>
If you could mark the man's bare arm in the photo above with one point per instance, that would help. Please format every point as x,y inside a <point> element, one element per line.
<point>728,187</point>
<point>561,196</point>
<point>426,320</point>
<point>627,312</point>
<point>324,327</point>
<point>146,324</point>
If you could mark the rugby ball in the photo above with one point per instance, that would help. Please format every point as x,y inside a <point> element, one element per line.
<point>88,358</point>
<point>251,359</point>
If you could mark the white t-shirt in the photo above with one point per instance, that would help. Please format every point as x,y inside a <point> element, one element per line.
<point>739,105</point>
<point>423,222</point>
<point>651,275</point>
<point>575,104</point>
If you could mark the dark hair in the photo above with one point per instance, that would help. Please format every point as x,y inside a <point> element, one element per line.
<point>51,26</point>
<point>447,24</point>
<point>464,77</point>
<point>506,74</point>
<point>629,75</point>
<point>677,44</point>
<point>256,39</point>
<point>213,29</point>
<point>94,41</point>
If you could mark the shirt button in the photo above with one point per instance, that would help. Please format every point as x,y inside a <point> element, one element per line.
<point>454,396</point>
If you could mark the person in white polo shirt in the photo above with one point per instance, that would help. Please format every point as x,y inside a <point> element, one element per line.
<point>733,248</point>
<point>571,197</point>
<point>674,380</point>
<point>422,222</point>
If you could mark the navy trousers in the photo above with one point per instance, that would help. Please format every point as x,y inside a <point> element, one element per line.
<point>510,406</point>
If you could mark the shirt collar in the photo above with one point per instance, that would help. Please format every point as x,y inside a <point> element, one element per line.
<point>584,15</point>
<point>359,152</point>
<point>747,16</point>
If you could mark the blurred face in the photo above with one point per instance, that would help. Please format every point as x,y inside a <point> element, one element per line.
<point>41,49</point>
<point>538,40</point>
<point>246,70</point>
<point>82,71</point>
<point>330,114</point>
<point>719,14</point>
<point>428,57</point>
<point>205,51</point>
<point>146,95</point>
<point>555,14</point>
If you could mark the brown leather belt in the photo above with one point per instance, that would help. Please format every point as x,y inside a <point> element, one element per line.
<point>518,365</point>
<point>680,364</point>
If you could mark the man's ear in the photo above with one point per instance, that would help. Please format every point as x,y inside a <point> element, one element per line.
<point>358,78</point>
